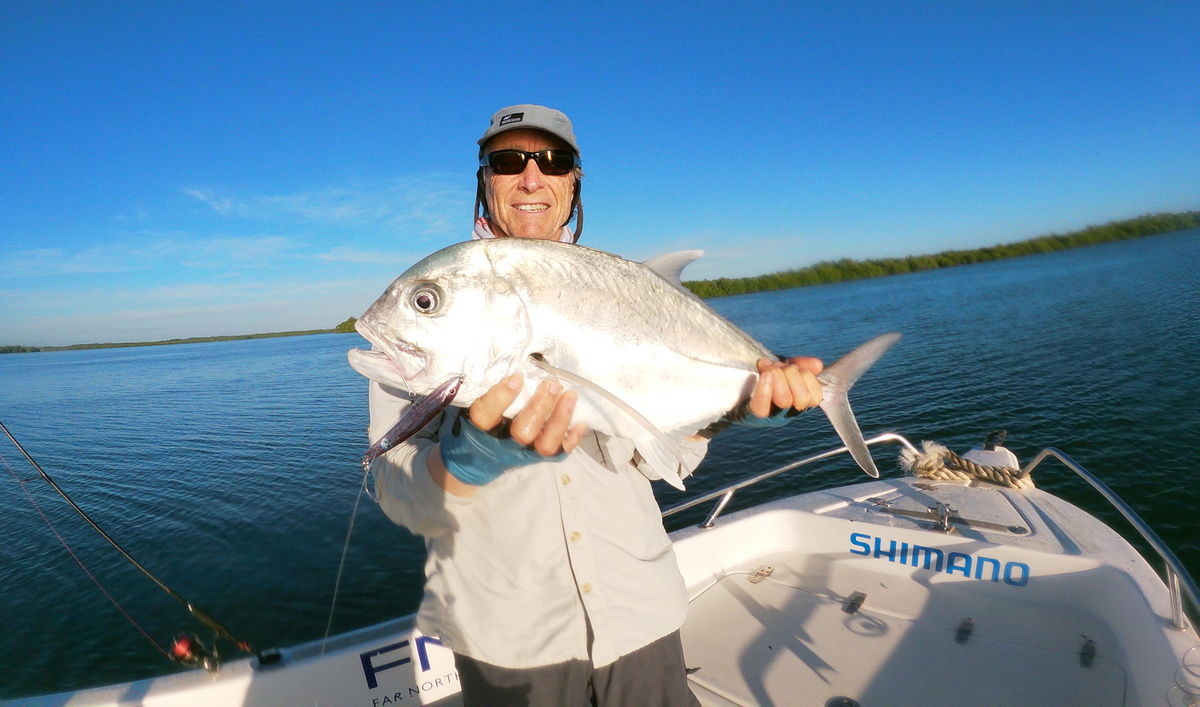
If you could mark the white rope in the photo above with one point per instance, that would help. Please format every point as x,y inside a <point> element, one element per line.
<point>936,462</point>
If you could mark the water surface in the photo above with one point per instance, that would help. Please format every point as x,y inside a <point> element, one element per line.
<point>230,468</point>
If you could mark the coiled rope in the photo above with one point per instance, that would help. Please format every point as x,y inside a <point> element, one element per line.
<point>937,462</point>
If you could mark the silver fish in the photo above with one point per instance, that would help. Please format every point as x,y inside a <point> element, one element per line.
<point>651,361</point>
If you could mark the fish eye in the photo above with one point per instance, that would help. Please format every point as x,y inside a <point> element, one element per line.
<point>426,298</point>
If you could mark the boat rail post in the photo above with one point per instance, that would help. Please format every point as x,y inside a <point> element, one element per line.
<point>1178,622</point>
<point>1179,582</point>
<point>711,519</point>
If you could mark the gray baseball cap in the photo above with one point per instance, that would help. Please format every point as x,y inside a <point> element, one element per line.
<point>531,117</point>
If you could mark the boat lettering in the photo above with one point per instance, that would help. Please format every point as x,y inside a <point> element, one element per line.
<point>415,691</point>
<point>371,669</point>
<point>937,560</point>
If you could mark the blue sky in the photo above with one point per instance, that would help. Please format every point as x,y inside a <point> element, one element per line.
<point>206,168</point>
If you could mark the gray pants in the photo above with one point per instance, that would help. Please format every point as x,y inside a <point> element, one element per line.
<point>651,676</point>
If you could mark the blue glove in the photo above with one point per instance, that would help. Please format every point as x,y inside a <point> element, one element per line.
<point>475,457</point>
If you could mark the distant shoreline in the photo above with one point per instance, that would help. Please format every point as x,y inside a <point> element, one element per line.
<point>820,274</point>
<point>165,342</point>
<point>844,270</point>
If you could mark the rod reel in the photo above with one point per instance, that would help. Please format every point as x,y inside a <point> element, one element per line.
<point>187,649</point>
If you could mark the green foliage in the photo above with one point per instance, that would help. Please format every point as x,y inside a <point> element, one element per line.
<point>845,269</point>
<point>346,327</point>
<point>166,342</point>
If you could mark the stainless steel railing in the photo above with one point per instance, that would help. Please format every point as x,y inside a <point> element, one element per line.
<point>1177,576</point>
<point>725,493</point>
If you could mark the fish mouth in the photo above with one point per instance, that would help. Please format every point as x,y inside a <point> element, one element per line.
<point>407,360</point>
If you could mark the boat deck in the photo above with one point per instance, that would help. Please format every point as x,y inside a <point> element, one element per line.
<point>754,643</point>
<point>901,592</point>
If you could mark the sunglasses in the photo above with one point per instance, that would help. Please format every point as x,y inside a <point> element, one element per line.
<point>553,163</point>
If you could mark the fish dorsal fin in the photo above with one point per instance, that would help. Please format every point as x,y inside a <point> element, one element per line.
<point>670,265</point>
<point>659,453</point>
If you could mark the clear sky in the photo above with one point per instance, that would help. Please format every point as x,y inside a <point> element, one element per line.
<point>177,169</point>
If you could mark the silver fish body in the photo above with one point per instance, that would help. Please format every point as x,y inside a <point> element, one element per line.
<point>651,362</point>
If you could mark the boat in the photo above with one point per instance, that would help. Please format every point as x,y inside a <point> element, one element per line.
<point>959,583</point>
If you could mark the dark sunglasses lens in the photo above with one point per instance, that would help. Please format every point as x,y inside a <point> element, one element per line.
<point>550,162</point>
<point>555,162</point>
<point>507,162</point>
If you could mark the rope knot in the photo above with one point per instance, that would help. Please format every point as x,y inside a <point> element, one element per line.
<point>937,462</point>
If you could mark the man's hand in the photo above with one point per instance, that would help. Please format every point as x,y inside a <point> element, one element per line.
<point>786,384</point>
<point>543,424</point>
<point>542,428</point>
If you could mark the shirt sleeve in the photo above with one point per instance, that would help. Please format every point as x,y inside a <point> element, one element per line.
<point>403,488</point>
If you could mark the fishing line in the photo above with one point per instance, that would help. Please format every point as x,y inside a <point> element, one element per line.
<point>345,549</point>
<point>200,615</point>
<point>420,413</point>
<point>78,561</point>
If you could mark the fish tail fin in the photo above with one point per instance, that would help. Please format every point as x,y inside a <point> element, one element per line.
<point>836,382</point>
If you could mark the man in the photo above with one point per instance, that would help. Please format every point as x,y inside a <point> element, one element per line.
<point>549,573</point>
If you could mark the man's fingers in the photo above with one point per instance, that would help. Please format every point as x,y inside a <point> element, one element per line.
<point>783,385</point>
<point>807,363</point>
<point>815,394</point>
<point>488,410</point>
<point>803,387</point>
<point>552,437</point>
<point>781,392</point>
<point>574,437</point>
<point>760,399</point>
<point>544,424</point>
<point>528,423</point>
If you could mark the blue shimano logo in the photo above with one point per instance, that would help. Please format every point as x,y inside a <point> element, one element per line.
<point>936,560</point>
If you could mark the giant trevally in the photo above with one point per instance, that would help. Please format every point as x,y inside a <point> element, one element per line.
<point>650,361</point>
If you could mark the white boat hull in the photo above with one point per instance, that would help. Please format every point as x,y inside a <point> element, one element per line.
<point>1026,600</point>
<point>386,664</point>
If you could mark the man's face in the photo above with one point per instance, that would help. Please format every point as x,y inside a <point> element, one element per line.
<point>529,204</point>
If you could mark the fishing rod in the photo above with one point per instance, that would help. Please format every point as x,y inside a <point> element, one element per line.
<point>185,649</point>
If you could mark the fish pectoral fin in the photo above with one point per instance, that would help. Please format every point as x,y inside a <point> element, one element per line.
<point>836,382</point>
<point>662,456</point>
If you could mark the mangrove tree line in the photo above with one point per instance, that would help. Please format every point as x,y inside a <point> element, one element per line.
<point>846,269</point>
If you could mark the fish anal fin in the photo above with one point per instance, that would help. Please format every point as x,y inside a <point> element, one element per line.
<point>662,461</point>
<point>662,456</point>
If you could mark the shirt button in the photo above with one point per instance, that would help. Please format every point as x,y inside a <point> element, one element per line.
<point>566,479</point>
<point>587,587</point>
<point>576,537</point>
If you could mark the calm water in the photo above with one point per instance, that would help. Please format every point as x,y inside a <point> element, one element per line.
<point>230,469</point>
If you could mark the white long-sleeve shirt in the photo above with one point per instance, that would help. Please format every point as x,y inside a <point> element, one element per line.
<point>523,572</point>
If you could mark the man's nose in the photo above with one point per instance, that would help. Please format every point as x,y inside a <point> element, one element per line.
<point>532,178</point>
